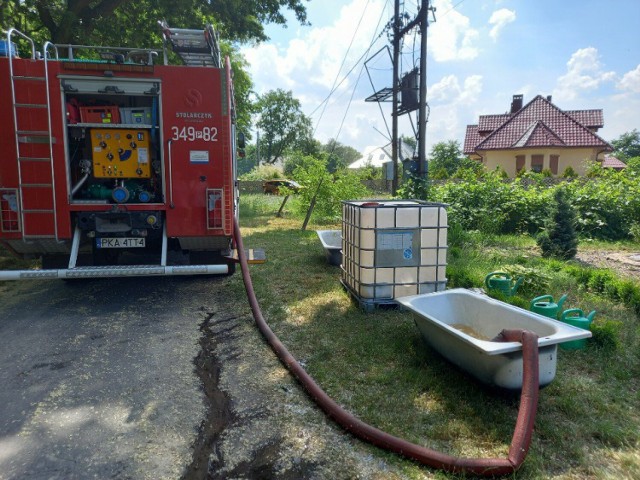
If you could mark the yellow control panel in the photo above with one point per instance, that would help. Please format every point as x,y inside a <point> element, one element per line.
<point>120,153</point>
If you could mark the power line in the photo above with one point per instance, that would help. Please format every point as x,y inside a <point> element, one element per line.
<point>453,8</point>
<point>344,59</point>
<point>356,63</point>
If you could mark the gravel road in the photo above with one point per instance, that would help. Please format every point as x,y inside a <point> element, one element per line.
<point>156,378</point>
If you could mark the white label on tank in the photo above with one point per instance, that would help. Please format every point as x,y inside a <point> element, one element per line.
<point>395,240</point>
<point>199,156</point>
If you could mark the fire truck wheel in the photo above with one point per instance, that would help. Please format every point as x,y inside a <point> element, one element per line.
<point>232,268</point>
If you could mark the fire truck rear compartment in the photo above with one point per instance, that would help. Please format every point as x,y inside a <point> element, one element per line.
<point>116,161</point>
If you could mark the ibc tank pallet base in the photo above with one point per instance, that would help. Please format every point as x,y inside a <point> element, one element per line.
<point>368,305</point>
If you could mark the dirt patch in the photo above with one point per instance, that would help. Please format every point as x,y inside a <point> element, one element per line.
<point>624,263</point>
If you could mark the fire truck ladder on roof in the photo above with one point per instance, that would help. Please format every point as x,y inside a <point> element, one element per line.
<point>196,48</point>
<point>36,192</point>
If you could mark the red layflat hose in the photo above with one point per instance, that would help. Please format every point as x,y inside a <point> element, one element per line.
<point>478,466</point>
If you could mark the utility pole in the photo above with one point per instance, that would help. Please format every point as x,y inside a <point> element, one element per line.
<point>407,87</point>
<point>422,111</point>
<point>394,116</point>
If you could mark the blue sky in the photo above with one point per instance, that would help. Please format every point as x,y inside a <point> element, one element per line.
<point>586,54</point>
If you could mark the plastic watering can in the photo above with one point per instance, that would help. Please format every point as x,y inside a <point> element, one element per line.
<point>503,282</point>
<point>575,317</point>
<point>545,305</point>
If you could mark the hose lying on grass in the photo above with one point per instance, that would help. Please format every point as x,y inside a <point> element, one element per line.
<point>478,466</point>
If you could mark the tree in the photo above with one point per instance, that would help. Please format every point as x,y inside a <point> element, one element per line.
<point>627,145</point>
<point>242,88</point>
<point>282,123</point>
<point>329,190</point>
<point>411,141</point>
<point>446,159</point>
<point>339,155</point>
<point>134,23</point>
<point>93,21</point>
<point>560,239</point>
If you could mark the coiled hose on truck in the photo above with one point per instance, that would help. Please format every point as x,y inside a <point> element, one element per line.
<point>477,466</point>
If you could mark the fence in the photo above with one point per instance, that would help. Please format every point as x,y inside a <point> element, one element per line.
<point>376,186</point>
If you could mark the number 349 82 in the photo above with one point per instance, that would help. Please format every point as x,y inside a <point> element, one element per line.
<point>191,134</point>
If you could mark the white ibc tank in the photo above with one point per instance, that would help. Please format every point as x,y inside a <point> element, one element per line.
<point>393,248</point>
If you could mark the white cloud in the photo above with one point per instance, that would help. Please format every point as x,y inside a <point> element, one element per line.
<point>630,81</point>
<point>452,107</point>
<point>308,65</point>
<point>316,54</point>
<point>448,90</point>
<point>451,36</point>
<point>499,19</point>
<point>445,89</point>
<point>584,73</point>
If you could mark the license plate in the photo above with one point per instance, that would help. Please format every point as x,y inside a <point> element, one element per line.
<point>119,242</point>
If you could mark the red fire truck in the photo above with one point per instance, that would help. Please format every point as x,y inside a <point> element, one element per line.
<point>113,163</point>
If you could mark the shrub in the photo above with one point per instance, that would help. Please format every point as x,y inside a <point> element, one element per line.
<point>460,278</point>
<point>263,172</point>
<point>329,190</point>
<point>626,290</point>
<point>600,280</point>
<point>560,239</point>
<point>535,280</point>
<point>634,231</point>
<point>414,187</point>
<point>607,206</point>
<point>569,172</point>
<point>605,334</point>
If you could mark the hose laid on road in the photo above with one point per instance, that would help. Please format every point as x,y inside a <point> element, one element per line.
<point>477,466</point>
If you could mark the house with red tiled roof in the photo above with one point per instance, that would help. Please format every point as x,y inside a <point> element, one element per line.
<point>612,162</point>
<point>537,136</point>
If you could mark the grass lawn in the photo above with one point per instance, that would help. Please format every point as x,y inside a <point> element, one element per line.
<point>375,364</point>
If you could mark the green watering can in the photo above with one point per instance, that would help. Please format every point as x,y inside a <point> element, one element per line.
<point>503,282</point>
<point>575,317</point>
<point>545,305</point>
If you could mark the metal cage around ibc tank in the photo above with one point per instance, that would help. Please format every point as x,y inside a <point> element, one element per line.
<point>393,248</point>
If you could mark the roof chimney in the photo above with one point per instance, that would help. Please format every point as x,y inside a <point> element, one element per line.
<point>549,98</point>
<point>516,103</point>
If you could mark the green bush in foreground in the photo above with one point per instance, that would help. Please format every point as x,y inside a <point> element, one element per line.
<point>607,204</point>
<point>328,189</point>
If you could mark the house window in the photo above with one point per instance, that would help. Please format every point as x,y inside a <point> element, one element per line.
<point>536,163</point>
<point>519,162</point>
<point>553,163</point>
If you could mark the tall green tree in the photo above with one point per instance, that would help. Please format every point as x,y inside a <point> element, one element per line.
<point>134,23</point>
<point>86,21</point>
<point>282,124</point>
<point>445,156</point>
<point>409,140</point>
<point>627,145</point>
<point>242,87</point>
<point>446,159</point>
<point>339,155</point>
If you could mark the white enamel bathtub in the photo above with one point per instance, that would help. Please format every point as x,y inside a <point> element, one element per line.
<point>460,324</point>
<point>332,243</point>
